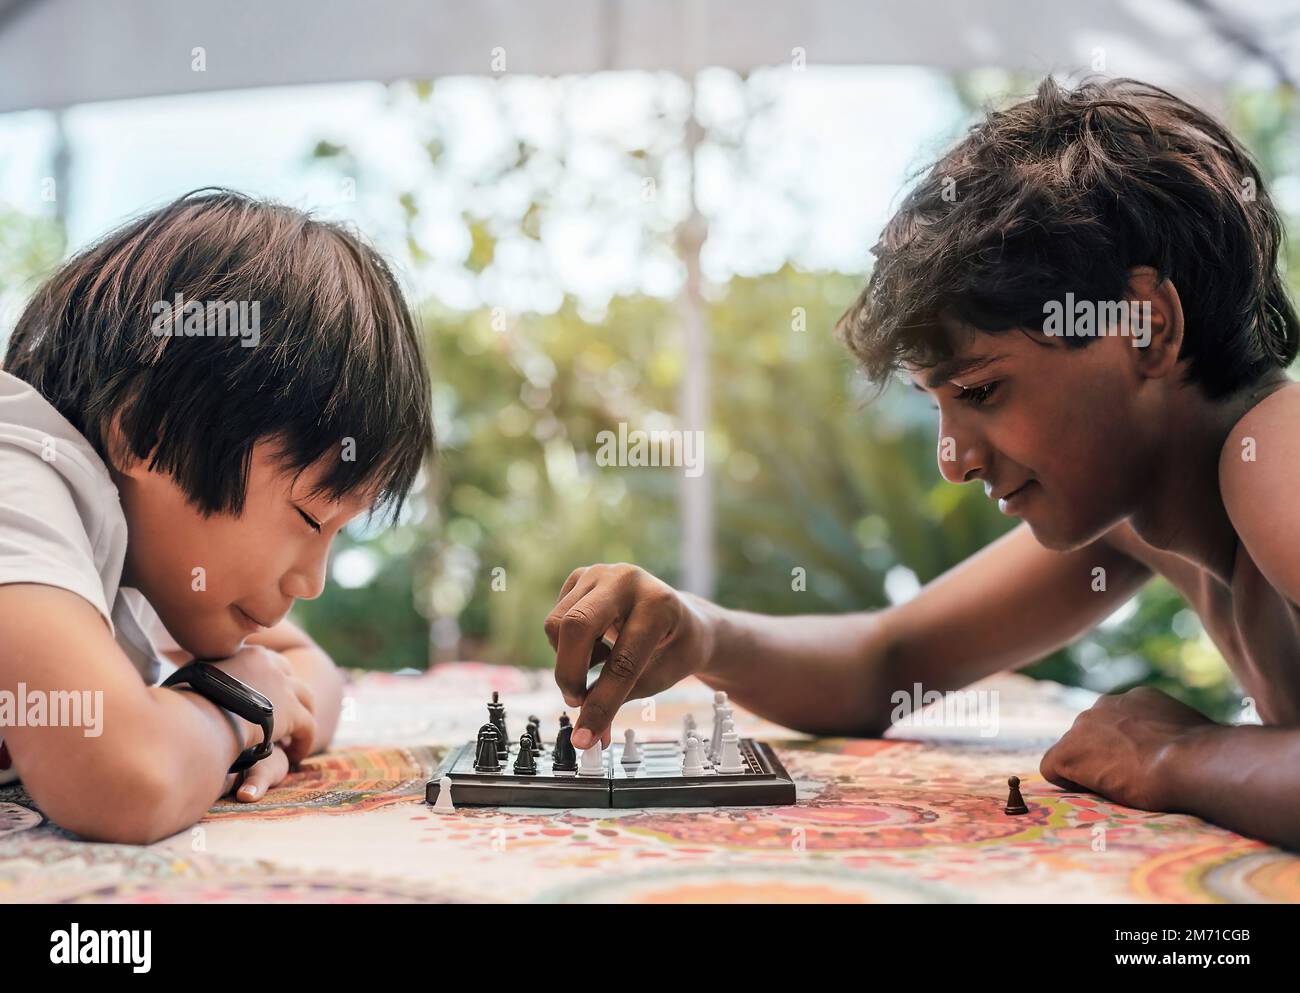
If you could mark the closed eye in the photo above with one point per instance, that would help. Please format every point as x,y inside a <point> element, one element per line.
<point>315,526</point>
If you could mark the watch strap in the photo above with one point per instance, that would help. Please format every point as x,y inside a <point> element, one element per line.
<point>234,698</point>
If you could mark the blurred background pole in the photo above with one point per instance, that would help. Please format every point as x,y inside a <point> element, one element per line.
<point>61,164</point>
<point>696,504</point>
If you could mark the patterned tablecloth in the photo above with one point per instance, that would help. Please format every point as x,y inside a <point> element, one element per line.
<point>916,816</point>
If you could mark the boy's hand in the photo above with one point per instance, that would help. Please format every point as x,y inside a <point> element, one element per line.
<point>263,775</point>
<point>1121,747</point>
<point>272,675</point>
<point>660,637</point>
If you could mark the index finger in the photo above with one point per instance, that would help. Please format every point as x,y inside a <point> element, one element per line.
<point>630,655</point>
<point>1050,769</point>
<point>580,631</point>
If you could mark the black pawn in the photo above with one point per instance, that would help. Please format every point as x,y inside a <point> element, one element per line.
<point>1015,802</point>
<point>487,758</point>
<point>564,720</point>
<point>563,757</point>
<point>535,731</point>
<point>525,765</point>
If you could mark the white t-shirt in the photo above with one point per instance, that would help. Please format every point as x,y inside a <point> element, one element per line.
<point>61,524</point>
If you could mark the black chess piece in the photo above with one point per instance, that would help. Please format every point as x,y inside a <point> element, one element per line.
<point>497,715</point>
<point>564,758</point>
<point>564,720</point>
<point>487,757</point>
<point>525,764</point>
<point>535,732</point>
<point>1015,802</point>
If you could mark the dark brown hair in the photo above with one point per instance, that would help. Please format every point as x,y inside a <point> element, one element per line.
<point>337,355</point>
<point>1066,192</point>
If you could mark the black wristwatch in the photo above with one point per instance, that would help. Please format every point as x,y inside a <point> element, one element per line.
<point>238,697</point>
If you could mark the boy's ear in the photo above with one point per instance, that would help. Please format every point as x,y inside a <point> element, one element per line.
<point>120,460</point>
<point>1159,341</point>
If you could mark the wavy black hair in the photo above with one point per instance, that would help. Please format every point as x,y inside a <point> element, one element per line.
<point>1066,192</point>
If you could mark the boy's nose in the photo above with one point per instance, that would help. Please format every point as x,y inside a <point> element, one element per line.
<point>960,461</point>
<point>306,583</point>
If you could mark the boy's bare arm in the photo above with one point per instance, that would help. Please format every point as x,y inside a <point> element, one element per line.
<point>1009,605</point>
<point>1145,749</point>
<point>1004,607</point>
<point>1245,778</point>
<point>157,759</point>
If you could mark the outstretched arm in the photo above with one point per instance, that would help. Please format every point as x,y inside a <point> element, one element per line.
<point>1007,606</point>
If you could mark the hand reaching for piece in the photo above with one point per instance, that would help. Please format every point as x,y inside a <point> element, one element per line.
<point>661,637</point>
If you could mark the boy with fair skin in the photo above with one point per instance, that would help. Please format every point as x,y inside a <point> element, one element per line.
<point>1178,457</point>
<point>235,459</point>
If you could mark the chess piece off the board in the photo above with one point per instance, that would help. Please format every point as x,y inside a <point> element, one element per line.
<point>443,804</point>
<point>1015,802</point>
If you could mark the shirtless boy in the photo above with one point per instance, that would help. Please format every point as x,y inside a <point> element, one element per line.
<point>1174,451</point>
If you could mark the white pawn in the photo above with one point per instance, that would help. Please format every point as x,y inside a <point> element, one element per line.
<point>593,762</point>
<point>688,728</point>
<point>729,760</point>
<point>693,760</point>
<point>631,750</point>
<point>443,804</point>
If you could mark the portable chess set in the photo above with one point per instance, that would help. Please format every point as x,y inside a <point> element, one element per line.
<point>720,769</point>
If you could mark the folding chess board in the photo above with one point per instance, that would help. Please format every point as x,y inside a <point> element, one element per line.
<point>656,782</point>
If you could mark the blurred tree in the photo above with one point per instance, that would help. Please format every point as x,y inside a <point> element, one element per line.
<point>30,247</point>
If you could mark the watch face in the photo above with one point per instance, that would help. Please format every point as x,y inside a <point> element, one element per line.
<point>246,697</point>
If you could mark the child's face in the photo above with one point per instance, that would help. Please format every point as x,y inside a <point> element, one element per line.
<point>1077,427</point>
<point>216,580</point>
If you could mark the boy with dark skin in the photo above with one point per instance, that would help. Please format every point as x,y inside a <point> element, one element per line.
<point>1178,458</point>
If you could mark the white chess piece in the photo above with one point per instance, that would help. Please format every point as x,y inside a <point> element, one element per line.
<point>729,760</point>
<point>688,728</point>
<point>693,760</point>
<point>631,750</point>
<point>715,741</point>
<point>593,762</point>
<point>443,804</point>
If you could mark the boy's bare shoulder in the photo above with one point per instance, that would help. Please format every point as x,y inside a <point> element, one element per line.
<point>1259,478</point>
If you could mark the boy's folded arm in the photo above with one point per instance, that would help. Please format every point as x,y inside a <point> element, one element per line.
<point>142,762</point>
<point>1245,778</point>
